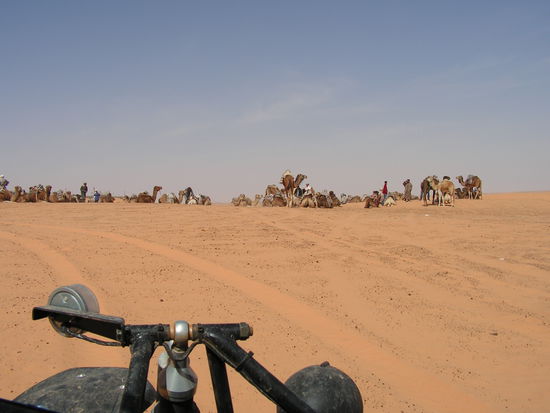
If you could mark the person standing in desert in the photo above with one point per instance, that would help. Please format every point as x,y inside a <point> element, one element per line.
<point>408,189</point>
<point>83,192</point>
<point>384,192</point>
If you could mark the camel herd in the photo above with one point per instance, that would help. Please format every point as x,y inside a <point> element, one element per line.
<point>289,194</point>
<point>185,196</point>
<point>44,193</point>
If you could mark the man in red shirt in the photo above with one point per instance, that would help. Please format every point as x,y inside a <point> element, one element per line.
<point>385,192</point>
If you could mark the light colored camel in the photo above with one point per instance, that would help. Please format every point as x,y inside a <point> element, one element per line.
<point>170,198</point>
<point>443,188</point>
<point>256,200</point>
<point>145,198</point>
<point>106,197</point>
<point>241,200</point>
<point>17,195</point>
<point>308,201</point>
<point>472,186</point>
<point>389,201</point>
<point>186,195</point>
<point>353,199</point>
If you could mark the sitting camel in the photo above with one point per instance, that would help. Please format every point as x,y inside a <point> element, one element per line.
<point>277,200</point>
<point>272,190</point>
<point>374,200</point>
<point>256,200</point>
<point>145,198</point>
<point>186,195</point>
<point>389,201</point>
<point>353,199</point>
<point>241,200</point>
<point>335,201</point>
<point>323,201</point>
<point>106,197</point>
<point>309,201</point>
<point>170,198</point>
<point>204,200</point>
<point>5,195</point>
<point>16,195</point>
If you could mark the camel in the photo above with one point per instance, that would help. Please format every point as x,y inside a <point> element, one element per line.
<point>31,196</point>
<point>204,200</point>
<point>241,200</point>
<point>472,186</point>
<point>45,195</point>
<point>323,201</point>
<point>272,190</point>
<point>374,200</point>
<point>308,201</point>
<point>54,197</point>
<point>193,200</point>
<point>443,188</point>
<point>17,195</point>
<point>461,193</point>
<point>353,199</point>
<point>70,197</point>
<point>389,201</point>
<point>425,188</point>
<point>290,185</point>
<point>132,198</point>
<point>145,198</point>
<point>5,195</point>
<point>170,198</point>
<point>186,195</point>
<point>256,200</point>
<point>397,196</point>
<point>277,200</point>
<point>335,201</point>
<point>106,197</point>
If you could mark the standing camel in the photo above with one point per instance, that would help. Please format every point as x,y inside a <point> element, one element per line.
<point>443,188</point>
<point>471,183</point>
<point>290,185</point>
<point>425,188</point>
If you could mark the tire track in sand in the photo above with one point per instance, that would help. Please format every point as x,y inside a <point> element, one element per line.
<point>424,388</point>
<point>64,273</point>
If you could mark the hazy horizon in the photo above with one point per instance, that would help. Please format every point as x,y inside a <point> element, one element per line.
<point>223,97</point>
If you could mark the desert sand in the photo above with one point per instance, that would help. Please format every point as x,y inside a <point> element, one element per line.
<point>429,309</point>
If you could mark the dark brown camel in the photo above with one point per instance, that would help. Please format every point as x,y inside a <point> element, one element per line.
<point>425,187</point>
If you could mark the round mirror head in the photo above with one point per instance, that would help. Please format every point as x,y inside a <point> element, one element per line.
<point>75,297</point>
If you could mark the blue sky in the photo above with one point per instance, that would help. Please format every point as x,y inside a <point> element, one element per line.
<point>224,96</point>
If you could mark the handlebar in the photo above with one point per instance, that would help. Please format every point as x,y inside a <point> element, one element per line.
<point>220,341</point>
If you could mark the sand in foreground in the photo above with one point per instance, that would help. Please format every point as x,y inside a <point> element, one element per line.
<point>429,309</point>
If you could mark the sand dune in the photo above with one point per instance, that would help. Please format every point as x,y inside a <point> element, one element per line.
<point>428,309</point>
